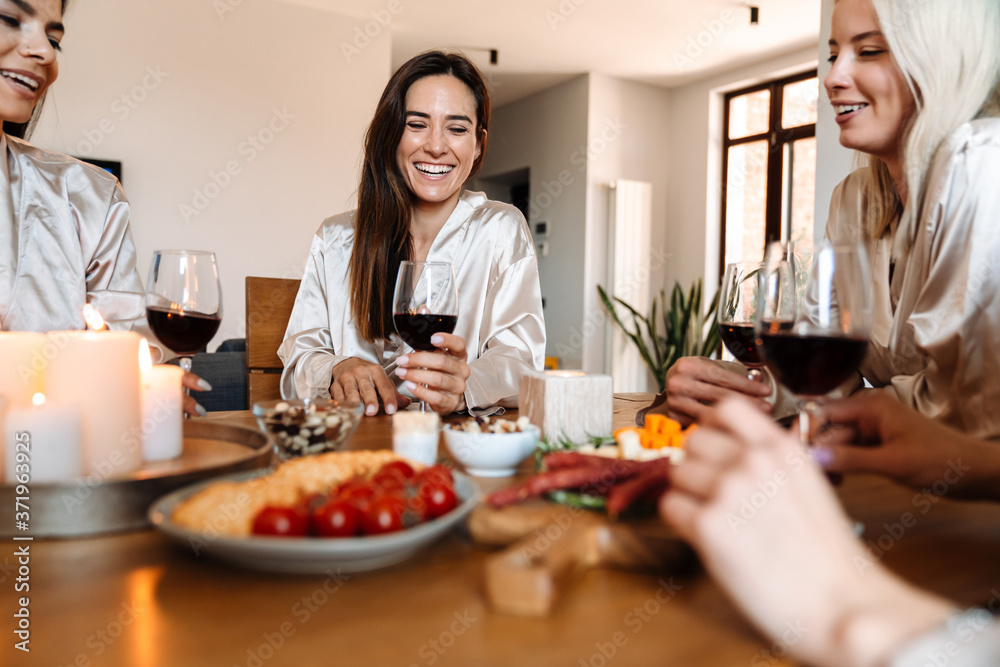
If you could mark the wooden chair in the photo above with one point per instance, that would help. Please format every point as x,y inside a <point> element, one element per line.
<point>269,305</point>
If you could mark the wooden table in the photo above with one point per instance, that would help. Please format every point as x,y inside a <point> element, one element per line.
<point>139,600</point>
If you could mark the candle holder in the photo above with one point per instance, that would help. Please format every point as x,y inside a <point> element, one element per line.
<point>568,405</point>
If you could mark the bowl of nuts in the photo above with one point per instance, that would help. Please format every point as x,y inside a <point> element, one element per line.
<point>490,447</point>
<point>302,427</point>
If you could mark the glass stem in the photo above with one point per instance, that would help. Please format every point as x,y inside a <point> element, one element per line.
<point>185,363</point>
<point>809,419</point>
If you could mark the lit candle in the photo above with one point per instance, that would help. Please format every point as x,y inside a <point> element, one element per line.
<point>23,361</point>
<point>570,405</point>
<point>162,410</point>
<point>97,372</point>
<point>42,441</point>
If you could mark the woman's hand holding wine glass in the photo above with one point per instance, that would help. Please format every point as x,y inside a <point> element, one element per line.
<point>831,323</point>
<point>425,312</point>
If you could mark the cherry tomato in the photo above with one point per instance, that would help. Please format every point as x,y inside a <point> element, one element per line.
<point>337,518</point>
<point>359,493</point>
<point>437,473</point>
<point>439,498</point>
<point>389,480</point>
<point>281,521</point>
<point>404,468</point>
<point>384,516</point>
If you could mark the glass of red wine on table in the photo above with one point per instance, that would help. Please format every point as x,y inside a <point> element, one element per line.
<point>425,303</point>
<point>184,301</point>
<point>814,339</point>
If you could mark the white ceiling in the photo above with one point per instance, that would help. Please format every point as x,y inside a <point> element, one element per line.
<point>544,42</point>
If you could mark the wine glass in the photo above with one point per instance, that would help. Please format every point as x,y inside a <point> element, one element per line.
<point>183,301</point>
<point>831,324</point>
<point>737,312</point>
<point>425,303</point>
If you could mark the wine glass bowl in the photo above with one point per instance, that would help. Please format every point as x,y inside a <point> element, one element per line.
<point>737,313</point>
<point>815,339</point>
<point>184,301</point>
<point>425,302</point>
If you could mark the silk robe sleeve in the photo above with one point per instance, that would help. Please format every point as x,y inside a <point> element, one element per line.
<point>308,351</point>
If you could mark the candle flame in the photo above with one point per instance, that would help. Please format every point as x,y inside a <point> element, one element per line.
<point>38,398</point>
<point>566,374</point>
<point>145,358</point>
<point>93,318</point>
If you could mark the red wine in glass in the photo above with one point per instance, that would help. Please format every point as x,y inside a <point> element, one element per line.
<point>183,332</point>
<point>416,329</point>
<point>813,365</point>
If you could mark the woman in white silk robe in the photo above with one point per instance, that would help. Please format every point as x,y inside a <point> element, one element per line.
<point>69,243</point>
<point>926,121</point>
<point>428,136</point>
<point>935,340</point>
<point>500,309</point>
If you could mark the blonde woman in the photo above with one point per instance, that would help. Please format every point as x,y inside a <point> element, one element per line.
<point>914,84</point>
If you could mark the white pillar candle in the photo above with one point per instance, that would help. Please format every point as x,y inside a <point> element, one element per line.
<point>162,409</point>
<point>43,441</point>
<point>22,365</point>
<point>571,405</point>
<point>97,372</point>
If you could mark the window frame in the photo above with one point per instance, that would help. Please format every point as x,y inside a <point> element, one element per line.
<point>777,137</point>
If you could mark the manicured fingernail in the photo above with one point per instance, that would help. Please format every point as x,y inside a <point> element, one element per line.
<point>371,410</point>
<point>205,386</point>
<point>437,339</point>
<point>411,385</point>
<point>390,409</point>
<point>200,410</point>
<point>822,456</point>
<point>401,372</point>
<point>403,360</point>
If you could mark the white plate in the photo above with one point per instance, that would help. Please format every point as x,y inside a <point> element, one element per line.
<point>311,555</point>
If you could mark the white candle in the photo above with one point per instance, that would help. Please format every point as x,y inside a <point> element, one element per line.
<point>97,372</point>
<point>23,358</point>
<point>43,442</point>
<point>571,405</point>
<point>162,409</point>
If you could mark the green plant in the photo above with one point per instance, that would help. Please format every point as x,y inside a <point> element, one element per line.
<point>667,334</point>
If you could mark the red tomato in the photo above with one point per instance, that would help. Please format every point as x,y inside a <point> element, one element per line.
<point>359,493</point>
<point>439,498</point>
<point>337,518</point>
<point>384,516</point>
<point>281,521</point>
<point>404,468</point>
<point>437,473</point>
<point>389,480</point>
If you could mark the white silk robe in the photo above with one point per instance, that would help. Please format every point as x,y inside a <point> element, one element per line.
<point>936,335</point>
<point>65,243</point>
<point>499,313</point>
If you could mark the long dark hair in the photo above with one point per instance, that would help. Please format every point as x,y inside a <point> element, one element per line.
<point>382,236</point>
<point>24,130</point>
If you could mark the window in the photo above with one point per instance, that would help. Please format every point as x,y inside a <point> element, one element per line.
<point>768,166</point>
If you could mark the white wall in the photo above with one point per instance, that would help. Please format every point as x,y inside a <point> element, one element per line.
<point>695,165</point>
<point>833,161</point>
<point>547,133</point>
<point>267,70</point>
<point>627,139</point>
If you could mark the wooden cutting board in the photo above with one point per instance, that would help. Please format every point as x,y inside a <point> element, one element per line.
<point>547,546</point>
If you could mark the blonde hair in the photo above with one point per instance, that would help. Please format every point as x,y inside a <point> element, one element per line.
<point>948,52</point>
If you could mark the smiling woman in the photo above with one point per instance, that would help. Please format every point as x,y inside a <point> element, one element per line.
<point>428,136</point>
<point>66,240</point>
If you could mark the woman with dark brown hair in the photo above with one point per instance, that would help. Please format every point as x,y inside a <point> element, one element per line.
<point>427,138</point>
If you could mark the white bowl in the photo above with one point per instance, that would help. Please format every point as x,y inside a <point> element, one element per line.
<point>491,454</point>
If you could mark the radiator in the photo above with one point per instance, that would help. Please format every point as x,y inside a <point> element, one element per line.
<point>629,222</point>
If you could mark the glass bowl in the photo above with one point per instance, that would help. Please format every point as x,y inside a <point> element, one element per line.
<point>302,427</point>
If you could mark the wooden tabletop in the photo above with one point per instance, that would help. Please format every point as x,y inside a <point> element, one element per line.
<point>139,600</point>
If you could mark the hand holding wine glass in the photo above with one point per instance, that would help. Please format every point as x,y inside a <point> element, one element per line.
<point>184,301</point>
<point>832,324</point>
<point>425,306</point>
